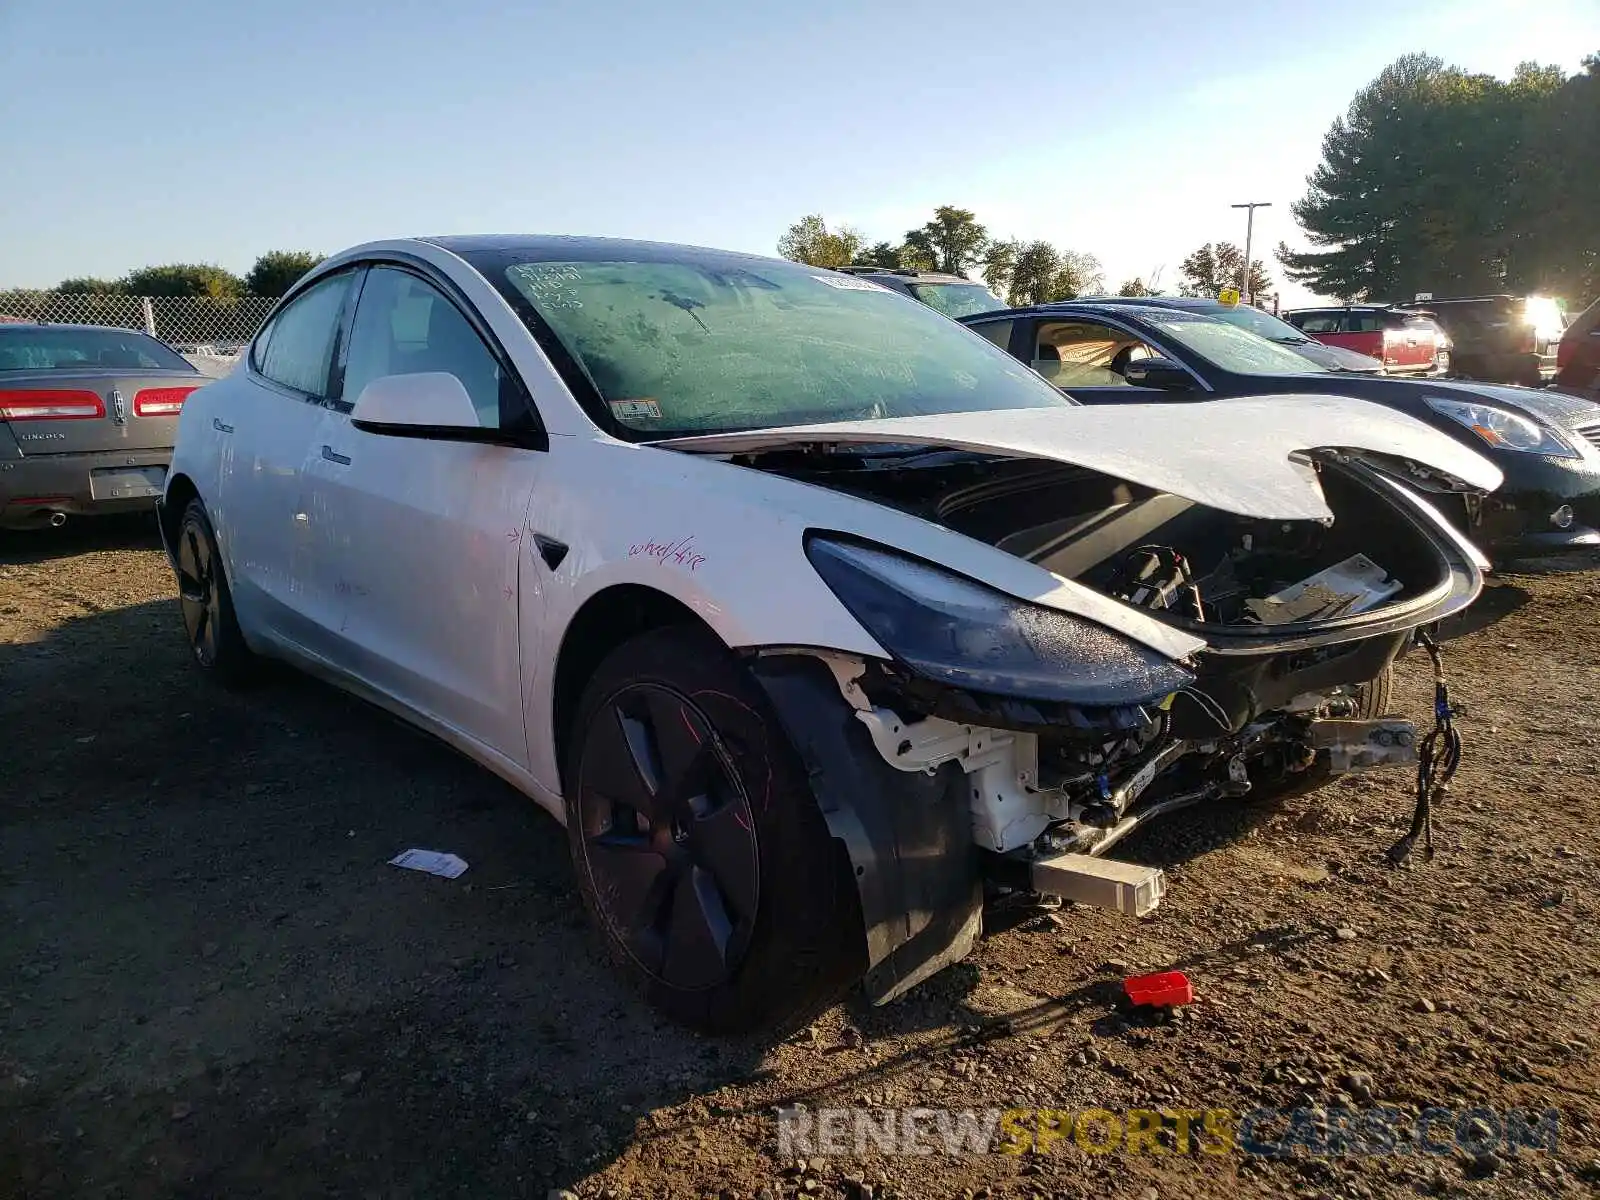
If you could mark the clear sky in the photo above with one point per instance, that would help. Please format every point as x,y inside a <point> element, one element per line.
<point>161,130</point>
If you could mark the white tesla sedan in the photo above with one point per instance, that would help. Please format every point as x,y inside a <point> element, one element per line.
<point>809,612</point>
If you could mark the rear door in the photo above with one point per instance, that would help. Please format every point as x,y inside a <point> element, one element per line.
<point>1328,326</point>
<point>1361,330</point>
<point>269,426</point>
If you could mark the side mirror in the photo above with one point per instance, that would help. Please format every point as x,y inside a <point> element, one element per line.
<point>1160,373</point>
<point>429,404</point>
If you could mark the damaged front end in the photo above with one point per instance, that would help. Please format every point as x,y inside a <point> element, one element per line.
<point>1010,743</point>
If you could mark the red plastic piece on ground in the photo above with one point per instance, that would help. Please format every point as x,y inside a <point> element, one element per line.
<point>1166,989</point>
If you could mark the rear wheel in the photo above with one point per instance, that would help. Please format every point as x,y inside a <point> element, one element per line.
<point>205,601</point>
<point>700,851</point>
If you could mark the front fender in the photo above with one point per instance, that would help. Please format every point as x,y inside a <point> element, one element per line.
<point>909,836</point>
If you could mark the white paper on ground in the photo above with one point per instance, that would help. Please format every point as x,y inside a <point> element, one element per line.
<point>434,862</point>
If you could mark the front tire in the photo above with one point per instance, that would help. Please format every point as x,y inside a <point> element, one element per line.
<point>700,851</point>
<point>1372,699</point>
<point>209,621</point>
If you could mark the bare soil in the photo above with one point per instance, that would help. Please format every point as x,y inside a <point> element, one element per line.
<point>211,983</point>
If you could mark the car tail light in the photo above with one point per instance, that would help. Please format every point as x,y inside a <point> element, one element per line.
<point>47,404</point>
<point>160,402</point>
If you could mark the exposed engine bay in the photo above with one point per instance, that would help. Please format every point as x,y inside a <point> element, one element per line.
<point>1274,702</point>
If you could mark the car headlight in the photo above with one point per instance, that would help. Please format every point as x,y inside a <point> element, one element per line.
<point>955,630</point>
<point>1502,428</point>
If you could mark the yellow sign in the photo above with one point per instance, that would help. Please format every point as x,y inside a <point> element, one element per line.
<point>1229,296</point>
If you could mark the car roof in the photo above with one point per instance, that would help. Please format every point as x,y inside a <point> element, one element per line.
<point>1128,306</point>
<point>1306,308</point>
<point>1458,301</point>
<point>1150,301</point>
<point>908,274</point>
<point>554,247</point>
<point>52,326</point>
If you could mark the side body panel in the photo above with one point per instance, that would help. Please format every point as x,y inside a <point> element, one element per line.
<point>415,573</point>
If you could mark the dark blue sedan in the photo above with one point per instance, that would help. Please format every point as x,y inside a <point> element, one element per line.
<point>1547,443</point>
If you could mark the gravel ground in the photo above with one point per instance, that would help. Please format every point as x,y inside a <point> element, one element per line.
<point>211,984</point>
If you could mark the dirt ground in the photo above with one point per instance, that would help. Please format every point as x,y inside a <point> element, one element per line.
<point>211,983</point>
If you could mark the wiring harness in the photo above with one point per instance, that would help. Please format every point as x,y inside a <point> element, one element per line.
<point>1438,756</point>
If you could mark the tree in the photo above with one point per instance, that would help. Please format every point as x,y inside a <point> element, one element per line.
<point>998,265</point>
<point>1043,273</point>
<point>953,239</point>
<point>276,271</point>
<point>1134,287</point>
<point>810,241</point>
<point>879,254</point>
<point>1214,267</point>
<point>88,285</point>
<point>1036,273</point>
<point>917,257</point>
<point>1444,181</point>
<point>184,279</point>
<point>1079,274</point>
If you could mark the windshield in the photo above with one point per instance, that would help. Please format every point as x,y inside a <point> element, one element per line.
<point>77,348</point>
<point>1256,321</point>
<point>732,343</point>
<point>957,299</point>
<point>1232,347</point>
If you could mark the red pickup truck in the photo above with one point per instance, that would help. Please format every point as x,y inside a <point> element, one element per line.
<point>1406,343</point>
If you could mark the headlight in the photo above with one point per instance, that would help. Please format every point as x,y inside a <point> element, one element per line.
<point>957,631</point>
<point>1503,428</point>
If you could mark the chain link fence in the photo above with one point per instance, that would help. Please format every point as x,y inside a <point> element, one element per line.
<point>208,332</point>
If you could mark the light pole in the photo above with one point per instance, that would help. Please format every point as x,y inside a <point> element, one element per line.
<point>1249,231</point>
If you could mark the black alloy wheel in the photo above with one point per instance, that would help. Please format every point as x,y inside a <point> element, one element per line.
<point>699,848</point>
<point>198,594</point>
<point>668,837</point>
<point>205,601</point>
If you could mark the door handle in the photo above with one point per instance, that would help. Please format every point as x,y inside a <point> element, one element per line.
<point>331,455</point>
<point>217,424</point>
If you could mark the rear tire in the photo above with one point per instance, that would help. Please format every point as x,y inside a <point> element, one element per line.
<point>1373,699</point>
<point>700,851</point>
<point>209,621</point>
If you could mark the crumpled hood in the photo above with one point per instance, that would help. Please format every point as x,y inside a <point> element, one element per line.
<point>1555,408</point>
<point>1243,456</point>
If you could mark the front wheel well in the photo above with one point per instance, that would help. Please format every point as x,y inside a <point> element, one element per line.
<point>606,620</point>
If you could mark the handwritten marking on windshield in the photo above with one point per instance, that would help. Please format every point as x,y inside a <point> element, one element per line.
<point>680,552</point>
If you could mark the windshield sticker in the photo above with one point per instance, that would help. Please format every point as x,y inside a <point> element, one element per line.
<point>849,283</point>
<point>636,410</point>
<point>550,285</point>
<point>681,552</point>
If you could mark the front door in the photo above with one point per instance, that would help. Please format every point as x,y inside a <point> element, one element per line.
<point>1088,360</point>
<point>419,541</point>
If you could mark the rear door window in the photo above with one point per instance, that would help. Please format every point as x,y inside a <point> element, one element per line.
<point>296,349</point>
<point>998,332</point>
<point>1317,322</point>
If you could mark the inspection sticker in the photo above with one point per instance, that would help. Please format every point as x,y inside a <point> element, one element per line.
<point>636,410</point>
<point>849,283</point>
